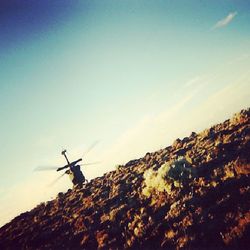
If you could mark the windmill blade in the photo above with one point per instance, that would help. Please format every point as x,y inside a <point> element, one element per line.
<point>45,168</point>
<point>56,180</point>
<point>91,147</point>
<point>91,163</point>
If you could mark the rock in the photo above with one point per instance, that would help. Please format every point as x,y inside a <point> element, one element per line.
<point>203,203</point>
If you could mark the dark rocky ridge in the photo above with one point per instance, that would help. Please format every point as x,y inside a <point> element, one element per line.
<point>208,211</point>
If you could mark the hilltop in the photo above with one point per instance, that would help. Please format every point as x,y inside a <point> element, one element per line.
<point>193,194</point>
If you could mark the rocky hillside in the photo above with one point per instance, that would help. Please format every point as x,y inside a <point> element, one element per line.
<point>193,194</point>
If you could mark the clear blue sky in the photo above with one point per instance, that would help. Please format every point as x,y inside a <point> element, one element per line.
<point>72,72</point>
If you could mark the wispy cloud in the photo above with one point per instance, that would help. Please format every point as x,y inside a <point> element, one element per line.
<point>197,109</point>
<point>193,81</point>
<point>239,59</point>
<point>225,21</point>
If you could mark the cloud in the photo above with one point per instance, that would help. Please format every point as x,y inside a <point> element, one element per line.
<point>198,108</point>
<point>223,103</point>
<point>193,81</point>
<point>239,59</point>
<point>151,133</point>
<point>225,21</point>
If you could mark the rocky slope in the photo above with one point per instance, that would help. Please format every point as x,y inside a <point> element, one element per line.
<point>193,194</point>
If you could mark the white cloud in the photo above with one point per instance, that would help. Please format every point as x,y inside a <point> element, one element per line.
<point>149,134</point>
<point>223,103</point>
<point>158,131</point>
<point>225,21</point>
<point>239,59</point>
<point>193,81</point>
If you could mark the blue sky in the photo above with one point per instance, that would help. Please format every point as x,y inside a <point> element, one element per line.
<point>133,74</point>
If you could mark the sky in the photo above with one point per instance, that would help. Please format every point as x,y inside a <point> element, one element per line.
<point>132,75</point>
